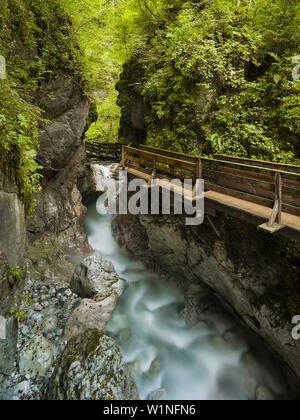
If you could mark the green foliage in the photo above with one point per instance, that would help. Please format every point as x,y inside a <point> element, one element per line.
<point>35,39</point>
<point>15,272</point>
<point>19,141</point>
<point>217,78</point>
<point>19,315</point>
<point>108,122</point>
<point>28,301</point>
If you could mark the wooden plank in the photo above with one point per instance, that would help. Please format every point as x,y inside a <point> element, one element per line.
<point>214,164</point>
<point>246,164</point>
<point>154,171</point>
<point>199,170</point>
<point>161,168</point>
<point>164,152</point>
<point>256,175</point>
<point>139,170</point>
<point>278,197</point>
<point>274,214</point>
<point>252,186</point>
<point>262,163</point>
<point>175,173</point>
<point>252,209</point>
<point>164,159</point>
<point>251,198</point>
<point>271,229</point>
<point>140,160</point>
<point>209,186</point>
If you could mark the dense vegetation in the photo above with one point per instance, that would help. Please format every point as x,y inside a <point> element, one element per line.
<point>216,77</point>
<point>35,39</point>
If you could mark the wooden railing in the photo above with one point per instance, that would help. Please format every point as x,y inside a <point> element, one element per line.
<point>98,150</point>
<point>267,184</point>
<point>258,185</point>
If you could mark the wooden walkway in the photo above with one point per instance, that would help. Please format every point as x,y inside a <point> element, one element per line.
<point>262,193</point>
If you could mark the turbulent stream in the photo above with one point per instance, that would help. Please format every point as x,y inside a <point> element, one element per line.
<point>168,359</point>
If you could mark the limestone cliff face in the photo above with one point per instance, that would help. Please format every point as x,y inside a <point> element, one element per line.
<point>241,267</point>
<point>12,240</point>
<point>55,230</point>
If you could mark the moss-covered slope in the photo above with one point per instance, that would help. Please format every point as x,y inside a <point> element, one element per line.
<point>37,43</point>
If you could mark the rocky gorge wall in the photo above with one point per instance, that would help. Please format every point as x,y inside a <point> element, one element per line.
<point>243,267</point>
<point>12,241</point>
<point>55,228</point>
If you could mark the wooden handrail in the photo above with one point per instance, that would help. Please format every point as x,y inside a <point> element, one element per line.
<point>259,184</point>
<point>262,163</point>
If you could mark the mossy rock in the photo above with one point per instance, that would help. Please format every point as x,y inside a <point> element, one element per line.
<point>92,368</point>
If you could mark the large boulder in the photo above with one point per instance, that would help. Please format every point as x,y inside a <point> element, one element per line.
<point>8,344</point>
<point>91,314</point>
<point>92,368</point>
<point>68,113</point>
<point>35,358</point>
<point>95,275</point>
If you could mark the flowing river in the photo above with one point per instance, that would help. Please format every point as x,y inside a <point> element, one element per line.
<point>168,359</point>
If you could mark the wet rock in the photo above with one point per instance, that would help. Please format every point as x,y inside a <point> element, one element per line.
<point>153,370</point>
<point>135,368</point>
<point>36,357</point>
<point>50,310</point>
<point>14,392</point>
<point>90,314</point>
<point>229,384</point>
<point>198,299</point>
<point>92,368</point>
<point>21,390</point>
<point>96,275</point>
<point>157,395</point>
<point>8,345</point>
<point>235,338</point>
<point>37,317</point>
<point>251,375</point>
<point>10,289</point>
<point>49,325</point>
<point>264,394</point>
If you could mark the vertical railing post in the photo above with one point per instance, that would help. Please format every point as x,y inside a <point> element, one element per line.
<point>199,169</point>
<point>198,175</point>
<point>278,193</point>
<point>123,158</point>
<point>154,168</point>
